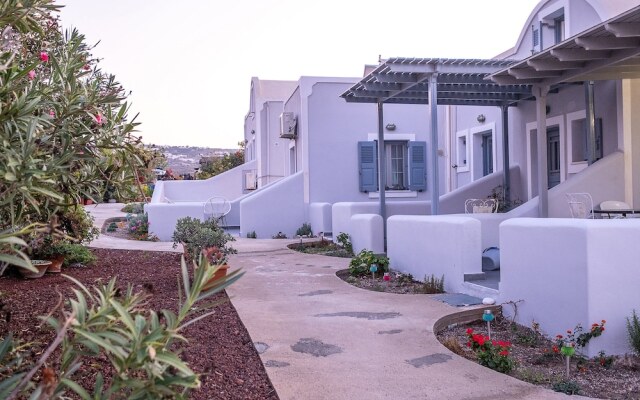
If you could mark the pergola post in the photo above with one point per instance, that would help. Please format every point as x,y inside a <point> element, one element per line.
<point>381,173</point>
<point>433,105</point>
<point>506,175</point>
<point>540,93</point>
<point>591,122</point>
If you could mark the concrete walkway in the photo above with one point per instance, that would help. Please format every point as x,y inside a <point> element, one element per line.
<point>321,338</point>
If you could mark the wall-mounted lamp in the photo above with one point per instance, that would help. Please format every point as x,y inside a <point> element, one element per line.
<point>391,127</point>
<point>481,118</point>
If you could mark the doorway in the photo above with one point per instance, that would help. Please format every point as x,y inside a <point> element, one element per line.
<point>553,156</point>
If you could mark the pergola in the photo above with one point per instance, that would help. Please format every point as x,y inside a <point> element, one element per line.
<point>607,51</point>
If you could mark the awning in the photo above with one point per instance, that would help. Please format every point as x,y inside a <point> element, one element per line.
<point>608,51</point>
<point>460,82</point>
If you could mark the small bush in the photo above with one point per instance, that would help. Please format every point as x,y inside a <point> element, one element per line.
<point>138,225</point>
<point>431,285</point>
<point>252,235</point>
<point>491,353</point>
<point>344,240</point>
<point>133,208</point>
<point>566,387</point>
<point>112,227</point>
<point>633,329</point>
<point>360,264</point>
<point>78,224</point>
<point>198,235</point>
<point>305,230</point>
<point>77,254</point>
<point>279,235</point>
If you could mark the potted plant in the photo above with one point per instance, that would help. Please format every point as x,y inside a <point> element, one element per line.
<point>41,265</point>
<point>215,257</point>
<point>196,235</point>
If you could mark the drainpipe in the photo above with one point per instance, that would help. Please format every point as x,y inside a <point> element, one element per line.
<point>433,105</point>
<point>591,122</point>
<point>506,174</point>
<point>540,93</point>
<point>381,175</point>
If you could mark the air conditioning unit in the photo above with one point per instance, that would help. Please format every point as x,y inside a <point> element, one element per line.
<point>250,181</point>
<point>288,124</point>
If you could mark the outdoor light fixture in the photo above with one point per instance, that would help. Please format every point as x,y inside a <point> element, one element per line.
<point>481,118</point>
<point>488,317</point>
<point>391,127</point>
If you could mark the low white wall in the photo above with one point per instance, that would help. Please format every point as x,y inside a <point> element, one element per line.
<point>163,217</point>
<point>604,180</point>
<point>342,212</point>
<point>367,233</point>
<point>320,217</point>
<point>227,185</point>
<point>570,271</point>
<point>453,202</point>
<point>278,207</point>
<point>438,245</point>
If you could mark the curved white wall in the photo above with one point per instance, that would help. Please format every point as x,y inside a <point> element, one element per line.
<point>278,207</point>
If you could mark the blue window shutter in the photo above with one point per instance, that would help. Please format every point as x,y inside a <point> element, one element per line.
<point>368,164</point>
<point>418,166</point>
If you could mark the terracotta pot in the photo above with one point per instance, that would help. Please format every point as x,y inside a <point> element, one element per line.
<point>56,264</point>
<point>88,202</point>
<point>41,265</point>
<point>220,273</point>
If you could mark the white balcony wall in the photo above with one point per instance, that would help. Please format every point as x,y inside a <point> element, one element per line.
<point>570,271</point>
<point>278,207</point>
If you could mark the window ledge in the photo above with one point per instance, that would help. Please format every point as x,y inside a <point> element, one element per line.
<point>394,194</point>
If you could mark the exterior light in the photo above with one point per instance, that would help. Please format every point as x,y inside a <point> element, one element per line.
<point>488,317</point>
<point>391,127</point>
<point>481,118</point>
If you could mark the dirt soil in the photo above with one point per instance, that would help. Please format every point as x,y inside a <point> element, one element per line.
<point>537,363</point>
<point>322,247</point>
<point>398,283</point>
<point>219,348</point>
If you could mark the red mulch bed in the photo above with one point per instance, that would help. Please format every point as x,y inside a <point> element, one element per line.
<point>219,348</point>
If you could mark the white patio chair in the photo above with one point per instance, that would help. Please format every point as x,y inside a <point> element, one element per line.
<point>475,206</point>
<point>217,208</point>
<point>580,205</point>
<point>614,205</point>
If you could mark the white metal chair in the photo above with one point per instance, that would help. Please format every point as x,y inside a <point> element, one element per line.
<point>580,205</point>
<point>614,205</point>
<point>475,206</point>
<point>216,208</point>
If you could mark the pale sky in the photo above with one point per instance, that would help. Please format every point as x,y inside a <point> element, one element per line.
<point>189,63</point>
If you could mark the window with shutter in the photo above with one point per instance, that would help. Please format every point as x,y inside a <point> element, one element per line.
<point>368,166</point>
<point>418,166</point>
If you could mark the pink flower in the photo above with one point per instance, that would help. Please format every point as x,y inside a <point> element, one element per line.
<point>31,74</point>
<point>99,119</point>
<point>44,56</point>
<point>87,67</point>
<point>52,113</point>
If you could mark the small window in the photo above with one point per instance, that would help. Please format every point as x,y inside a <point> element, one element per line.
<point>462,152</point>
<point>558,28</point>
<point>579,140</point>
<point>396,154</point>
<point>536,38</point>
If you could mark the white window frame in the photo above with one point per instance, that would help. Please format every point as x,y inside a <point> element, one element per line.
<point>476,148</point>
<point>548,15</point>
<point>394,137</point>
<point>462,160</point>
<point>532,126</point>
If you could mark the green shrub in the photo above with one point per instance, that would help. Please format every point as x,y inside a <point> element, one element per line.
<point>77,223</point>
<point>360,264</point>
<point>344,240</point>
<point>633,329</point>
<point>491,353</point>
<point>566,387</point>
<point>112,227</point>
<point>252,235</point>
<point>138,225</point>
<point>76,254</point>
<point>305,230</point>
<point>198,235</point>
<point>133,208</point>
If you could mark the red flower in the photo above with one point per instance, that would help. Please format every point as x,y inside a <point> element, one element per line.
<point>604,322</point>
<point>504,353</point>
<point>86,67</point>
<point>468,344</point>
<point>559,336</point>
<point>469,331</point>
<point>44,57</point>
<point>569,331</point>
<point>555,349</point>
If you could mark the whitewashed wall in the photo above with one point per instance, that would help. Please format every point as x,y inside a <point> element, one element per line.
<point>435,245</point>
<point>570,271</point>
<point>276,208</point>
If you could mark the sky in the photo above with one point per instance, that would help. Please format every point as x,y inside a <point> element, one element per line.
<point>189,63</point>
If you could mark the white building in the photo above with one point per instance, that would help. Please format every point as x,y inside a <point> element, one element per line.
<point>450,129</point>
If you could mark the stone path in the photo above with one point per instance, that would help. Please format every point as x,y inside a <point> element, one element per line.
<point>321,338</point>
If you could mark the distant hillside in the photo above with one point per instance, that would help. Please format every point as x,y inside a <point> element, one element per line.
<point>183,159</point>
